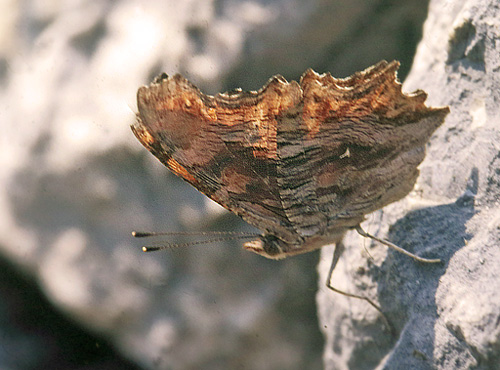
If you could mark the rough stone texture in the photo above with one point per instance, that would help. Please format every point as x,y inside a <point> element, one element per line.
<point>444,316</point>
<point>75,182</point>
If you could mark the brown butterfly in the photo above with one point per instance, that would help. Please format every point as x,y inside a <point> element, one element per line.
<point>303,162</point>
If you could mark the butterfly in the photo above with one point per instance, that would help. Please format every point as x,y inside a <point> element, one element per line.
<point>304,161</point>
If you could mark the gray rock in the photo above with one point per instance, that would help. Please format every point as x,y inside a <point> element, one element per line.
<point>444,316</point>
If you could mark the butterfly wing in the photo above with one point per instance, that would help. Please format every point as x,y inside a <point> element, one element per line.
<point>225,146</point>
<point>355,148</point>
<point>303,163</point>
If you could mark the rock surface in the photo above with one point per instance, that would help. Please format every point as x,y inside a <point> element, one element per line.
<point>444,316</point>
<point>75,182</point>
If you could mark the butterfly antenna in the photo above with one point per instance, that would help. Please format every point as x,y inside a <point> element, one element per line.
<point>225,235</point>
<point>237,234</point>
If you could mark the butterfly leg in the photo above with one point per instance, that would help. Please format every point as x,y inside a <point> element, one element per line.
<point>395,247</point>
<point>339,248</point>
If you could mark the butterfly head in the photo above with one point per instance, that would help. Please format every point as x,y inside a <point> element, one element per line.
<point>268,246</point>
<point>273,247</point>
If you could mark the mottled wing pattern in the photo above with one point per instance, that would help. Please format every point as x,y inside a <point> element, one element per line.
<point>302,162</point>
<point>352,149</point>
<point>225,145</point>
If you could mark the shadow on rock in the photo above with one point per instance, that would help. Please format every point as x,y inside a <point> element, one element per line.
<point>407,289</point>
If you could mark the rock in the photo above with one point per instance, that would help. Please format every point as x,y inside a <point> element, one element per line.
<point>444,316</point>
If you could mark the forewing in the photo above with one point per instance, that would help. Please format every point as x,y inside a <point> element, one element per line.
<point>225,146</point>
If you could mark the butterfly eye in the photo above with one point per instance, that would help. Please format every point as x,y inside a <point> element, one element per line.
<point>271,246</point>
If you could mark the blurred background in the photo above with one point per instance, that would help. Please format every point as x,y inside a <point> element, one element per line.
<point>76,292</point>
